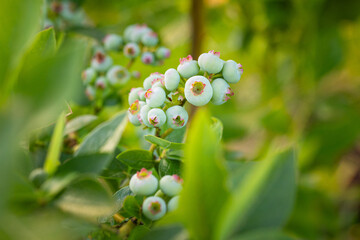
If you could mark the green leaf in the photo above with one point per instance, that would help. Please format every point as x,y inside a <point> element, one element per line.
<point>137,159</point>
<point>138,232</point>
<point>93,163</point>
<point>169,232</point>
<point>217,127</point>
<point>163,143</point>
<point>56,184</point>
<point>264,199</point>
<point>204,191</point>
<point>14,38</point>
<point>120,196</point>
<point>268,234</point>
<point>105,137</point>
<point>52,160</point>
<point>78,123</point>
<point>169,167</point>
<point>86,198</point>
<point>132,207</point>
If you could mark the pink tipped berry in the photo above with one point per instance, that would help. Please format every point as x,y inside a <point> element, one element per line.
<point>188,67</point>
<point>112,42</point>
<point>171,185</point>
<point>156,117</point>
<point>153,78</point>
<point>100,82</point>
<point>198,90</point>
<point>131,50</point>
<point>232,71</point>
<point>147,58</point>
<point>155,97</point>
<point>134,95</point>
<point>118,75</point>
<point>222,91</point>
<point>101,62</point>
<point>162,53</point>
<point>143,183</point>
<point>134,112</point>
<point>177,117</point>
<point>211,62</point>
<point>88,75</point>
<point>150,39</point>
<point>154,208</point>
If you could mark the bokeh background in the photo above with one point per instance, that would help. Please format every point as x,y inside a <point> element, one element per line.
<point>301,84</point>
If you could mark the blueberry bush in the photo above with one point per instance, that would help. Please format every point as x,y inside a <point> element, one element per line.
<point>106,135</point>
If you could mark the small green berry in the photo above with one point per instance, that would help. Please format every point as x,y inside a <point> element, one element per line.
<point>101,82</point>
<point>134,94</point>
<point>150,39</point>
<point>156,117</point>
<point>211,62</point>
<point>90,92</point>
<point>88,75</point>
<point>171,185</point>
<point>128,32</point>
<point>147,58</point>
<point>198,90</point>
<point>101,62</point>
<point>131,50</point>
<point>144,111</point>
<point>118,75</point>
<point>154,208</point>
<point>171,79</point>
<point>162,53</point>
<point>222,91</point>
<point>112,42</point>
<point>155,97</point>
<point>134,112</point>
<point>188,67</point>
<point>232,71</point>
<point>138,32</point>
<point>177,117</point>
<point>173,204</point>
<point>143,183</point>
<point>153,78</point>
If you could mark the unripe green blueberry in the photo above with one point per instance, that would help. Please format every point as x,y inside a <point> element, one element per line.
<point>177,117</point>
<point>154,208</point>
<point>128,31</point>
<point>171,185</point>
<point>88,75</point>
<point>118,75</point>
<point>171,79</point>
<point>101,62</point>
<point>150,39</point>
<point>144,111</point>
<point>211,62</point>
<point>173,204</point>
<point>188,67</point>
<point>101,82</point>
<point>232,71</point>
<point>134,94</point>
<point>198,90</point>
<point>90,92</point>
<point>131,50</point>
<point>134,112</point>
<point>143,183</point>
<point>148,58</point>
<point>142,95</point>
<point>156,117</point>
<point>155,97</point>
<point>136,74</point>
<point>138,32</point>
<point>113,42</point>
<point>221,91</point>
<point>153,78</point>
<point>162,53</point>
<point>38,177</point>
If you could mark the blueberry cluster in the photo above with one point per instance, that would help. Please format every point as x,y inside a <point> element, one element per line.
<point>63,13</point>
<point>154,207</point>
<point>104,77</point>
<point>162,97</point>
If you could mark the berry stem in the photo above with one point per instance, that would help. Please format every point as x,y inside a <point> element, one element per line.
<point>157,134</point>
<point>128,66</point>
<point>118,217</point>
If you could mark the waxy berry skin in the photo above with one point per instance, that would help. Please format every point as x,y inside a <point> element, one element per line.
<point>171,185</point>
<point>88,75</point>
<point>154,208</point>
<point>138,32</point>
<point>188,67</point>
<point>147,58</point>
<point>118,75</point>
<point>156,117</point>
<point>176,117</point>
<point>198,90</point>
<point>162,53</point>
<point>155,97</point>
<point>211,62</point>
<point>128,31</point>
<point>221,91</point>
<point>144,111</point>
<point>150,39</point>
<point>134,112</point>
<point>90,92</point>
<point>173,204</point>
<point>134,95</point>
<point>101,82</point>
<point>232,71</point>
<point>112,42</point>
<point>131,50</point>
<point>171,79</point>
<point>153,78</point>
<point>143,183</point>
<point>101,62</point>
